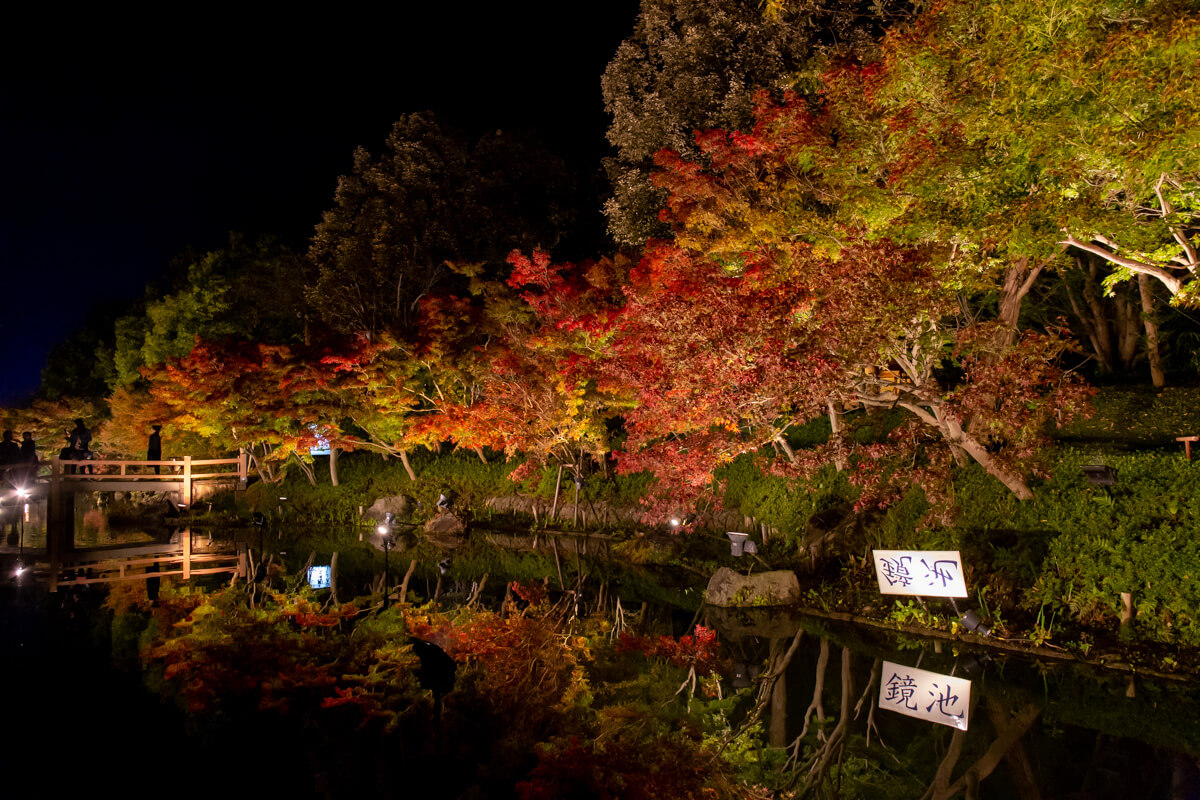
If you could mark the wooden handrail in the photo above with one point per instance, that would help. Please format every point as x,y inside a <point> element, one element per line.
<point>91,462</point>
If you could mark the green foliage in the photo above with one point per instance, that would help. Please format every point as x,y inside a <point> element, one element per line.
<point>247,290</point>
<point>695,65</point>
<point>1139,416</point>
<point>781,503</point>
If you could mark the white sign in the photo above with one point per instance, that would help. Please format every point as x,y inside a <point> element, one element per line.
<point>932,573</point>
<point>925,695</point>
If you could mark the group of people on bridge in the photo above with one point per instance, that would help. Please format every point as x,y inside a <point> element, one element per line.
<point>79,448</point>
<point>18,465</point>
<point>19,462</point>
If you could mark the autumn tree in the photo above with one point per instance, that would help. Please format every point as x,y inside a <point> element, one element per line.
<point>1030,127</point>
<point>846,316</point>
<point>238,396</point>
<point>249,290</point>
<point>429,198</point>
<point>695,65</point>
<point>507,364</point>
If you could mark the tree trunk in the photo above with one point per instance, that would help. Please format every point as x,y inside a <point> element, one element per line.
<point>783,444</point>
<point>333,465</point>
<point>837,428</point>
<point>1020,770</point>
<point>957,437</point>
<point>1007,737</point>
<point>1128,332</point>
<point>777,734</point>
<point>1018,280</point>
<point>479,452</point>
<point>1150,321</point>
<point>412,476</point>
<point>307,469</point>
<point>333,576</point>
<point>1093,313</point>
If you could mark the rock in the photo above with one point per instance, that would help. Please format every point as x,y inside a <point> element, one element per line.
<point>401,505</point>
<point>446,530</point>
<point>729,588</point>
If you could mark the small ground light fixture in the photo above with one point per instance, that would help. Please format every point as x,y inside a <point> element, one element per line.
<point>740,543</point>
<point>1100,475</point>
<point>385,527</point>
<point>444,566</point>
<point>973,623</point>
<point>443,501</point>
<point>675,522</point>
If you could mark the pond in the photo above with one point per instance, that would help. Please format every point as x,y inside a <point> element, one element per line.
<point>837,709</point>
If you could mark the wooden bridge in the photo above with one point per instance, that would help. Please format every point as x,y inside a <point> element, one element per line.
<point>184,558</point>
<point>180,477</point>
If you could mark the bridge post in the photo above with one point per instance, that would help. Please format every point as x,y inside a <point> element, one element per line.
<point>185,539</point>
<point>187,480</point>
<point>243,468</point>
<point>60,521</point>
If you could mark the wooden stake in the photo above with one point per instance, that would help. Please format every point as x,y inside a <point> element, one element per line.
<point>557,485</point>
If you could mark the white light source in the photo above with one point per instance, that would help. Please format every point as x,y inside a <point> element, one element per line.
<point>382,529</point>
<point>675,522</point>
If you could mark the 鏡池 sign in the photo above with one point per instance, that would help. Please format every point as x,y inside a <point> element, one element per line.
<point>925,695</point>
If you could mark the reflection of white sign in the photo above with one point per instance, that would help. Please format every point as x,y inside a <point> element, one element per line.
<point>933,573</point>
<point>925,695</point>
<point>319,577</point>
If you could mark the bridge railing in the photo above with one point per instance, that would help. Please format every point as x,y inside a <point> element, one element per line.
<point>179,474</point>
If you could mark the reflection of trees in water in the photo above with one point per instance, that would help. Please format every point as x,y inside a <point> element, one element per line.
<point>1071,736</point>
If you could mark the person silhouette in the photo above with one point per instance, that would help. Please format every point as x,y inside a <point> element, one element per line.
<point>154,447</point>
<point>68,453</point>
<point>81,443</point>
<point>10,464</point>
<point>29,456</point>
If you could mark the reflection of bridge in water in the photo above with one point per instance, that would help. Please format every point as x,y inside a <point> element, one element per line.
<point>183,479</point>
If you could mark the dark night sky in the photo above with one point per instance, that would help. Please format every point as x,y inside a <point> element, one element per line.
<point>121,145</point>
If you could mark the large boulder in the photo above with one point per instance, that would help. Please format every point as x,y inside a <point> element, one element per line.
<point>729,588</point>
<point>446,530</point>
<point>401,505</point>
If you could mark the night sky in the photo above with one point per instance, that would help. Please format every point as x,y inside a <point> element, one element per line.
<point>119,149</point>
